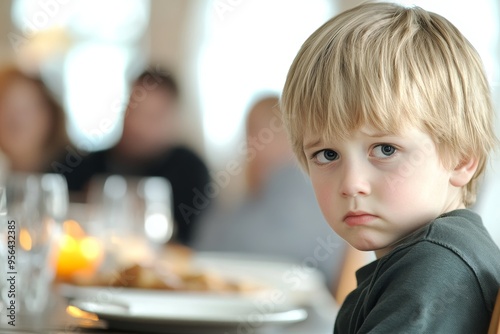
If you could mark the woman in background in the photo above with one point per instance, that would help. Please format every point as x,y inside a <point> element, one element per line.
<point>32,123</point>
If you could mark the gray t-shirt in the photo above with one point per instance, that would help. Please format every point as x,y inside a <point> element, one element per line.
<point>443,278</point>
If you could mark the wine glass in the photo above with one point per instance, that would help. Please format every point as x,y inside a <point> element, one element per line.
<point>133,217</point>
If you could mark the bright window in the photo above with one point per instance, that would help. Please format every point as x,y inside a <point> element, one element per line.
<point>248,50</point>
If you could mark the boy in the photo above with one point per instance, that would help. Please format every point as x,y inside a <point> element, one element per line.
<point>388,110</point>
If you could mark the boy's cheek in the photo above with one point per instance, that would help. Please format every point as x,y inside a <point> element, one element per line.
<point>332,215</point>
<point>326,200</point>
<point>400,192</point>
<point>322,189</point>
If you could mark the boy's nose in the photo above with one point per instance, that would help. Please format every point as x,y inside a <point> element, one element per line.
<point>354,181</point>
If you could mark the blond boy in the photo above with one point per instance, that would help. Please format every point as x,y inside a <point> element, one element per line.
<point>389,112</point>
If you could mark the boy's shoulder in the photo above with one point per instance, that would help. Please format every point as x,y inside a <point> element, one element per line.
<point>461,232</point>
<point>454,242</point>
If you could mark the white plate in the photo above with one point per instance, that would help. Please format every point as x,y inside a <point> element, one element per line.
<point>290,288</point>
<point>185,313</point>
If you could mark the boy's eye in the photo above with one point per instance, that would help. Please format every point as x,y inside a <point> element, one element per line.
<point>326,156</point>
<point>383,150</point>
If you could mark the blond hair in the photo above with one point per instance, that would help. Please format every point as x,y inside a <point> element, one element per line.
<point>390,66</point>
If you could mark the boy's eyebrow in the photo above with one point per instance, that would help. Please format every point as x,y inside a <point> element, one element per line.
<point>318,141</point>
<point>376,134</point>
<point>312,144</point>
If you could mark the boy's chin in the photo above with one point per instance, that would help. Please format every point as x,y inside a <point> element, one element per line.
<point>363,247</point>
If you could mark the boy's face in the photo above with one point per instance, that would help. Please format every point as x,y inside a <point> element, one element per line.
<point>376,188</point>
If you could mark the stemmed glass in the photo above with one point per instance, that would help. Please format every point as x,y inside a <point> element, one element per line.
<point>133,217</point>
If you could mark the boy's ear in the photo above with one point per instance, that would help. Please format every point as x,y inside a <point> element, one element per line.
<point>463,172</point>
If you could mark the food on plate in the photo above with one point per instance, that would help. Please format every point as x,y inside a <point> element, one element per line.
<point>174,271</point>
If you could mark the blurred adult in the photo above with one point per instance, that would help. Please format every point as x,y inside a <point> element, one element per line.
<point>32,123</point>
<point>279,216</point>
<point>149,147</point>
<point>267,144</point>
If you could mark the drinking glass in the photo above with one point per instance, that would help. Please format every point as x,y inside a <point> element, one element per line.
<point>132,216</point>
<point>32,208</point>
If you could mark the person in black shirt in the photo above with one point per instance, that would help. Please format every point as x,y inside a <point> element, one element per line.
<point>148,147</point>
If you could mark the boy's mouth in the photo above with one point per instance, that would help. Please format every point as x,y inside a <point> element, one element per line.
<point>356,218</point>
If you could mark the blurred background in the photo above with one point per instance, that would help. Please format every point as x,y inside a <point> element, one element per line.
<point>225,54</point>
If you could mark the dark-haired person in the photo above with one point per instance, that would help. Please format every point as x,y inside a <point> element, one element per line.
<point>149,147</point>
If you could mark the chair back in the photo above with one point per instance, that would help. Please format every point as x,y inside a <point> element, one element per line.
<point>495,319</point>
